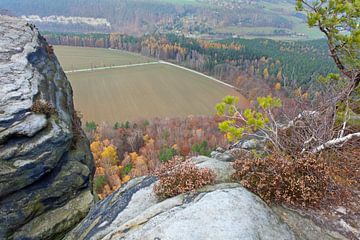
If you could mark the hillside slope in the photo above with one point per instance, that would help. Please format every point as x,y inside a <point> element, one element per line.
<point>271,18</point>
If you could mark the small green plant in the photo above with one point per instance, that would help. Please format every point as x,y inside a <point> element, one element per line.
<point>124,125</point>
<point>201,149</point>
<point>99,183</point>
<point>166,154</point>
<point>249,122</point>
<point>146,123</point>
<point>90,126</point>
<point>126,170</point>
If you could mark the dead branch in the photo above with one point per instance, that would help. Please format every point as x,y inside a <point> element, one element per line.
<point>335,142</point>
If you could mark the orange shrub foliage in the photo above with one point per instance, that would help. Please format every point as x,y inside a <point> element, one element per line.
<point>176,177</point>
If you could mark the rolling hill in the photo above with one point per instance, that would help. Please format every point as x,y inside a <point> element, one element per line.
<point>196,18</point>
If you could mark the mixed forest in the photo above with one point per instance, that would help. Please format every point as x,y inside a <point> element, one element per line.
<point>209,17</point>
<point>256,66</point>
<point>131,149</point>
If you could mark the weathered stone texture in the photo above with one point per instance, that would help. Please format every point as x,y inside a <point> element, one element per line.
<point>43,164</point>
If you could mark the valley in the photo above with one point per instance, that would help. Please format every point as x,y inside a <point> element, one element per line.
<point>145,119</point>
<point>206,19</point>
<point>138,92</point>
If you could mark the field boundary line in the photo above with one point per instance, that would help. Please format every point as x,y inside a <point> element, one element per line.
<point>111,67</point>
<point>151,63</point>
<point>199,73</point>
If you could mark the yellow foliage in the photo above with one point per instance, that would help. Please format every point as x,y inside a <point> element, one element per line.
<point>110,153</point>
<point>146,138</point>
<point>133,156</point>
<point>305,96</point>
<point>114,170</point>
<point>126,179</point>
<point>277,86</point>
<point>266,73</point>
<point>96,148</point>
<point>298,92</point>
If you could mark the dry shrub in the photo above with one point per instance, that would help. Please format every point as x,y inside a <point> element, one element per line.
<point>301,182</point>
<point>50,50</point>
<point>176,177</point>
<point>345,165</point>
<point>76,128</point>
<point>43,107</point>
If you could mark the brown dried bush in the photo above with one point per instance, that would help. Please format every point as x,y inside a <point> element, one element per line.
<point>43,107</point>
<point>176,177</point>
<point>76,128</point>
<point>345,165</point>
<point>302,182</point>
<point>50,50</point>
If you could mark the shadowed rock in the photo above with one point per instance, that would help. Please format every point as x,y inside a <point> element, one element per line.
<point>45,161</point>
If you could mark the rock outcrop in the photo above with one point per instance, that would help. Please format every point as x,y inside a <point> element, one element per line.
<point>45,160</point>
<point>223,211</point>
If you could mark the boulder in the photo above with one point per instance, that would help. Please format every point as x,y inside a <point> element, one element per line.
<point>45,160</point>
<point>223,211</point>
<point>222,156</point>
<point>223,170</point>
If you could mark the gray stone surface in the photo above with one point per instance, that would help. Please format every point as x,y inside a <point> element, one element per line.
<point>42,165</point>
<point>222,156</point>
<point>223,211</point>
<point>303,227</point>
<point>223,170</point>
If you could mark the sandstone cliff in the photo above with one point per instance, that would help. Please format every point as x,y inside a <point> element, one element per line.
<point>45,161</point>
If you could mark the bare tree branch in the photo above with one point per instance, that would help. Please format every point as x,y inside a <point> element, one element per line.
<point>335,142</point>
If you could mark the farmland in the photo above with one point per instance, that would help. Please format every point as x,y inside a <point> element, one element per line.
<point>73,58</point>
<point>141,92</point>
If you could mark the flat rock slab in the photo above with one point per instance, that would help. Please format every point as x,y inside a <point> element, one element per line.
<point>222,211</point>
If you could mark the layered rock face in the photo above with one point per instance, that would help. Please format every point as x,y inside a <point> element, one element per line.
<point>45,161</point>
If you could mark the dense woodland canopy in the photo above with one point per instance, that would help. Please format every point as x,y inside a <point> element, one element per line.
<point>251,65</point>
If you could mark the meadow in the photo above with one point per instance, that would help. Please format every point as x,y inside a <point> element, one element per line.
<point>139,92</point>
<point>74,58</point>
